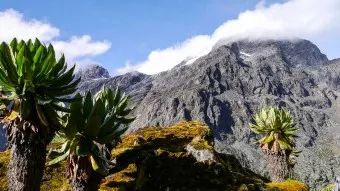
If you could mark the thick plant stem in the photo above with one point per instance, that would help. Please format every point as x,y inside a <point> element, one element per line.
<point>81,175</point>
<point>28,155</point>
<point>92,185</point>
<point>278,166</point>
<point>26,166</point>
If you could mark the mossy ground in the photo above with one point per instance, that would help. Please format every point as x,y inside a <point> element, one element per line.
<point>4,159</point>
<point>155,158</point>
<point>289,185</point>
<point>174,138</point>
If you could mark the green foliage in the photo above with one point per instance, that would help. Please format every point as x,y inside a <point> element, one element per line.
<point>278,127</point>
<point>91,122</point>
<point>33,82</point>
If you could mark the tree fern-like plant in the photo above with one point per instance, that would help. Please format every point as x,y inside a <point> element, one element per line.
<point>90,128</point>
<point>278,127</point>
<point>32,84</point>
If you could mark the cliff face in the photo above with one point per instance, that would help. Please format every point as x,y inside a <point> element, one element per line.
<point>227,86</point>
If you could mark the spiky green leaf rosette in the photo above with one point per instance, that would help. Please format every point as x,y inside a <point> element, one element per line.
<point>33,84</point>
<point>91,123</point>
<point>278,128</point>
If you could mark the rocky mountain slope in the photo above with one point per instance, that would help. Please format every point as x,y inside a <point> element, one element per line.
<point>227,86</point>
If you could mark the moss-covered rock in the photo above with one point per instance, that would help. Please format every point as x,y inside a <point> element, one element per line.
<point>289,185</point>
<point>180,157</point>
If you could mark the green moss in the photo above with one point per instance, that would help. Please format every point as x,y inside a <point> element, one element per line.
<point>243,187</point>
<point>120,180</point>
<point>55,178</point>
<point>161,161</point>
<point>174,138</point>
<point>201,144</point>
<point>329,187</point>
<point>4,159</point>
<point>289,185</point>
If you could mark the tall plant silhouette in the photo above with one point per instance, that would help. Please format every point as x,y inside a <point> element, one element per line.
<point>278,127</point>
<point>32,84</point>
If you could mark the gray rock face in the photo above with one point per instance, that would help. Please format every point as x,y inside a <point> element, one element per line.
<point>295,52</point>
<point>235,80</point>
<point>93,72</point>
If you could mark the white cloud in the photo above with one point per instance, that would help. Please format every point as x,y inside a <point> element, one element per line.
<point>79,49</point>
<point>13,24</point>
<point>128,67</point>
<point>315,20</point>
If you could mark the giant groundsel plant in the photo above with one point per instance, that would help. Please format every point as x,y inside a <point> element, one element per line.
<point>33,83</point>
<point>278,127</point>
<point>91,124</point>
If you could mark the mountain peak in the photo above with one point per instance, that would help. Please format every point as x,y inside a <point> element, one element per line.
<point>295,52</point>
<point>93,71</point>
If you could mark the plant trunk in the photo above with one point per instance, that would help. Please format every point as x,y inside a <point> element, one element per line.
<point>27,158</point>
<point>81,175</point>
<point>26,166</point>
<point>278,166</point>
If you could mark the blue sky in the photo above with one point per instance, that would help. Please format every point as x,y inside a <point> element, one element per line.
<point>133,28</point>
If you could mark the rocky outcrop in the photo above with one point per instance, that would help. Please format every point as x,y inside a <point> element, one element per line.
<point>295,52</point>
<point>180,157</point>
<point>92,72</point>
<point>227,86</point>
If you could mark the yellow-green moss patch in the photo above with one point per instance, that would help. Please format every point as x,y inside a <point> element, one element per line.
<point>161,160</point>
<point>289,185</point>
<point>54,178</point>
<point>117,180</point>
<point>170,138</point>
<point>4,159</point>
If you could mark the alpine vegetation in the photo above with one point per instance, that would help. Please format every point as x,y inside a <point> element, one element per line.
<point>90,130</point>
<point>278,128</point>
<point>33,84</point>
